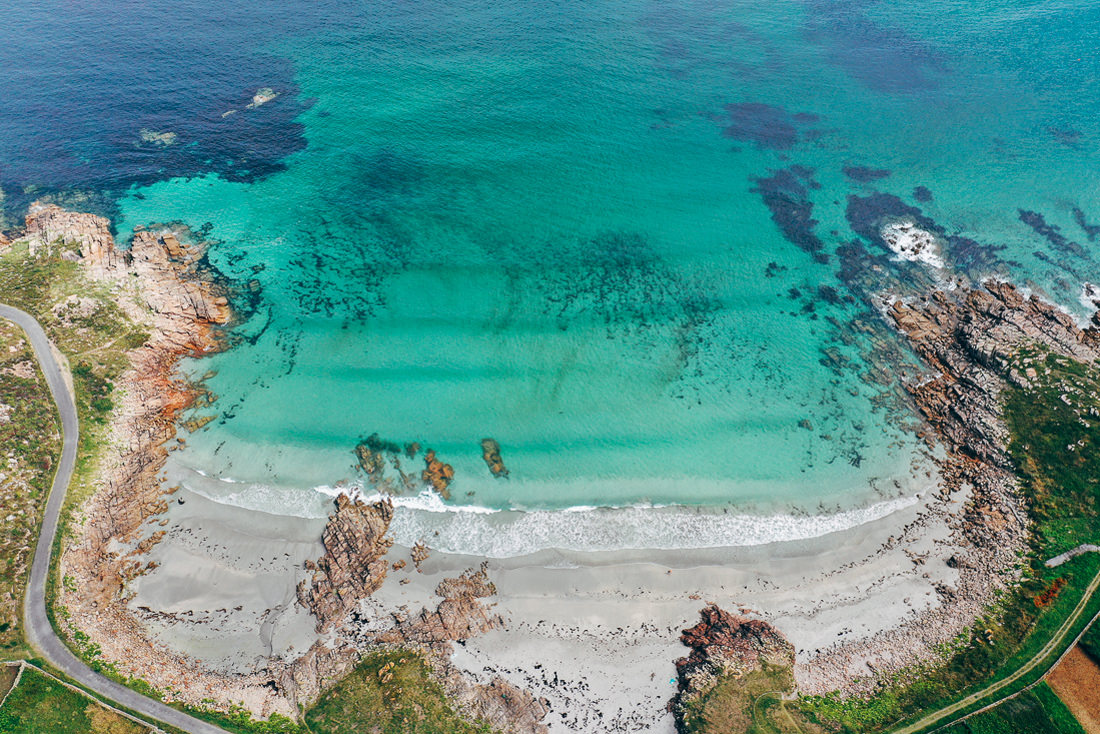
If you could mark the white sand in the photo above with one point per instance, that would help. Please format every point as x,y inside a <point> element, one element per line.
<point>595,633</point>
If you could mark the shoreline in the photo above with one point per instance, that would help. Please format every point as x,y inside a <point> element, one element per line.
<point>500,534</point>
<point>558,608</point>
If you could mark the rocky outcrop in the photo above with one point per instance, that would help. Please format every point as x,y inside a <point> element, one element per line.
<point>437,474</point>
<point>460,615</point>
<point>161,284</point>
<point>490,452</point>
<point>974,341</point>
<point>354,564</point>
<point>48,226</point>
<point>728,644</point>
<point>499,704</point>
<point>970,339</point>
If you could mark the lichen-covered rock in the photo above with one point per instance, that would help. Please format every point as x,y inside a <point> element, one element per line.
<point>49,226</point>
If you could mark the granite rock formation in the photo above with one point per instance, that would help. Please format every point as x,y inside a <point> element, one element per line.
<point>490,452</point>
<point>353,565</point>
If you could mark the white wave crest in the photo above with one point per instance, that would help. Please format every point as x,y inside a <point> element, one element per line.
<point>507,533</point>
<point>495,533</point>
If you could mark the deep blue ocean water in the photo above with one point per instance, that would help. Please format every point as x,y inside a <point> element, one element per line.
<point>615,237</point>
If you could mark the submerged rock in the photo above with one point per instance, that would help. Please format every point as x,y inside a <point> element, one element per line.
<point>490,452</point>
<point>163,138</point>
<point>262,97</point>
<point>437,474</point>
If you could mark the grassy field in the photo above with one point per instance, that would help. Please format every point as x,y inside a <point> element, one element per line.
<point>1037,711</point>
<point>1090,642</point>
<point>40,705</point>
<point>752,704</point>
<point>389,693</point>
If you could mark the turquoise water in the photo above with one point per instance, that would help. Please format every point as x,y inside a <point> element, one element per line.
<point>604,235</point>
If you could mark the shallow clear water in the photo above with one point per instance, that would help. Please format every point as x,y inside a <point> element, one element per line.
<point>595,232</point>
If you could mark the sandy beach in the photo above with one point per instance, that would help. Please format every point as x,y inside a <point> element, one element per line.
<point>593,634</point>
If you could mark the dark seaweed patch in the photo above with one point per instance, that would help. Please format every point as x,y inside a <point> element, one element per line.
<point>867,214</point>
<point>1091,230</point>
<point>885,59</point>
<point>923,194</point>
<point>615,278</point>
<point>1067,136</point>
<point>786,194</point>
<point>766,125</point>
<point>865,174</point>
<point>1052,233</point>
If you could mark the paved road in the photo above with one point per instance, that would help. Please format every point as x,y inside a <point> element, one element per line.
<point>1056,642</point>
<point>39,632</point>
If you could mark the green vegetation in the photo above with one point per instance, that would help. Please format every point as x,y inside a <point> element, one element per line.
<point>30,442</point>
<point>1090,642</point>
<point>752,703</point>
<point>239,721</point>
<point>1055,445</point>
<point>84,321</point>
<point>81,317</point>
<point>1037,711</point>
<point>391,692</point>
<point>41,705</point>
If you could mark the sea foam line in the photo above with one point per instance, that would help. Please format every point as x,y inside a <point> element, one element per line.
<point>506,533</point>
<point>496,533</point>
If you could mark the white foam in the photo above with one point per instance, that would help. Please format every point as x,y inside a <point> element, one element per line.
<point>489,533</point>
<point>495,533</point>
<point>1090,296</point>
<point>910,242</point>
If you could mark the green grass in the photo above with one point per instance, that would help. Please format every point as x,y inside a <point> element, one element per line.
<point>752,703</point>
<point>30,442</point>
<point>40,705</point>
<point>390,692</point>
<point>1090,642</point>
<point>1038,711</point>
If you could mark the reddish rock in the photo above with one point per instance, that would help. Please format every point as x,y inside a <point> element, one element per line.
<point>724,642</point>
<point>438,474</point>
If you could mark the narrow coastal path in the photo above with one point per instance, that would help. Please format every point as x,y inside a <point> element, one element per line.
<point>1057,642</point>
<point>40,634</point>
